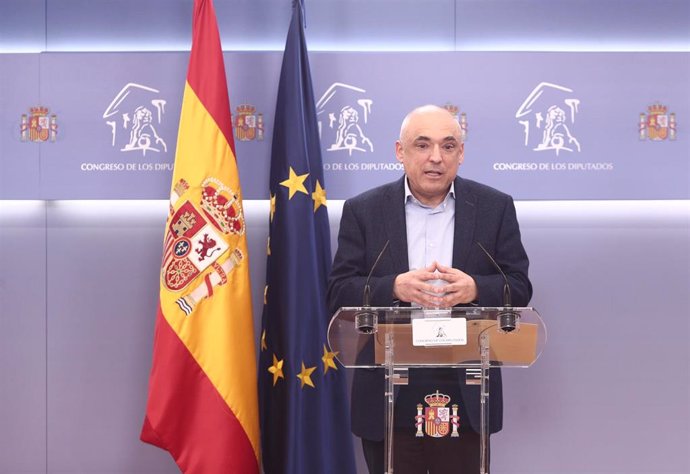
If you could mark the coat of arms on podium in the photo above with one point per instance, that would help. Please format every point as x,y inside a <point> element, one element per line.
<point>437,418</point>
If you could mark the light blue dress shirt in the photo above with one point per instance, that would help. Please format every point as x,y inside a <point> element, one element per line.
<point>430,231</point>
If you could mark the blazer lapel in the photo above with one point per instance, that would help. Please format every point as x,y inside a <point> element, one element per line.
<point>396,231</point>
<point>465,220</point>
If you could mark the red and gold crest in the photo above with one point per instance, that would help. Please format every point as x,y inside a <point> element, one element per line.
<point>38,127</point>
<point>249,125</point>
<point>201,240</point>
<point>657,124</point>
<point>437,418</point>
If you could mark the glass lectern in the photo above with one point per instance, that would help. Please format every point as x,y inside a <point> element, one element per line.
<point>397,339</point>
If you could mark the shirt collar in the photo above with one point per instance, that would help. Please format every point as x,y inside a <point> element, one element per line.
<point>409,197</point>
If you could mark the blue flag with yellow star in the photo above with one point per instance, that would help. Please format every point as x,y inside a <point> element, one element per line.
<point>305,423</point>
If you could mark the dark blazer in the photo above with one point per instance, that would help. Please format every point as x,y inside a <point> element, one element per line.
<point>482,214</point>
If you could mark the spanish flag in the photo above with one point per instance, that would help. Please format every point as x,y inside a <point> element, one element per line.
<point>202,404</point>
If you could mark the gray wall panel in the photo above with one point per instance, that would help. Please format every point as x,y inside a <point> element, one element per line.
<point>102,279</point>
<point>611,281</point>
<point>127,25</point>
<point>132,25</point>
<point>153,25</point>
<point>361,25</point>
<point>19,91</point>
<point>535,25</point>
<point>22,337</point>
<point>22,25</point>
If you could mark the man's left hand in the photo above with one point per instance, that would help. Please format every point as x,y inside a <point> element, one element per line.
<point>460,289</point>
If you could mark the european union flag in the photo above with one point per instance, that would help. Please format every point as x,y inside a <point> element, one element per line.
<point>305,424</point>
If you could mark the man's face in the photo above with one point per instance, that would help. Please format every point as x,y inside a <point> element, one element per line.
<point>431,152</point>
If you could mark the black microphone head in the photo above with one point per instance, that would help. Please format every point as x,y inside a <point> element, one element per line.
<point>508,320</point>
<point>366,322</point>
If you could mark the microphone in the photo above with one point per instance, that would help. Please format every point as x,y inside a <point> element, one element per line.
<point>366,320</point>
<point>507,319</point>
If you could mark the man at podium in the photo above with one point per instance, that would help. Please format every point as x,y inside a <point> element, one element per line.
<point>433,221</point>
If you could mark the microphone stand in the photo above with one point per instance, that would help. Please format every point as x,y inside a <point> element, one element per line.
<point>366,320</point>
<point>508,318</point>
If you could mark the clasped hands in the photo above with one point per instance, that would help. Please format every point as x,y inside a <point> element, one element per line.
<point>435,286</point>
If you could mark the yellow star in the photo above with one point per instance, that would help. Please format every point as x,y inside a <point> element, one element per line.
<point>266,294</point>
<point>273,205</point>
<point>263,341</point>
<point>305,376</point>
<point>277,369</point>
<point>295,183</point>
<point>319,196</point>
<point>268,246</point>
<point>328,359</point>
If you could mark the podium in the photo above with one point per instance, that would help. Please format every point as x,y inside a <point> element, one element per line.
<point>474,338</point>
